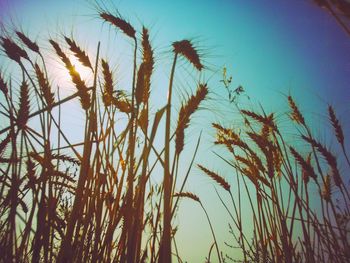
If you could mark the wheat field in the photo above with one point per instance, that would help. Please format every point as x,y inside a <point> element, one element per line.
<point>113,193</point>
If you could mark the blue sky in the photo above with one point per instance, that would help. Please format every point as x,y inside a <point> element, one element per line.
<point>271,47</point>
<point>268,45</point>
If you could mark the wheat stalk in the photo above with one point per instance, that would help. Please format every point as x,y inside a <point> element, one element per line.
<point>60,53</point>
<point>79,52</point>
<point>296,114</point>
<point>143,119</point>
<point>66,158</point>
<point>228,137</point>
<point>186,49</point>
<point>3,85</point>
<point>308,170</point>
<point>269,120</point>
<point>13,51</point>
<point>76,79</point>
<point>217,178</point>
<point>140,83</point>
<point>144,73</point>
<point>188,195</point>
<point>4,143</point>
<point>330,158</point>
<point>148,60</point>
<point>44,85</point>
<point>185,113</point>
<point>30,44</point>
<point>107,94</point>
<point>336,125</point>
<point>326,192</point>
<point>119,23</point>
<point>23,111</point>
<point>122,105</point>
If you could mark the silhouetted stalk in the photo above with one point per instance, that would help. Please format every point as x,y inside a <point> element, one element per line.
<point>165,255</point>
<point>187,174</point>
<point>130,179</point>
<point>338,19</point>
<point>239,221</point>
<point>212,232</point>
<point>65,252</point>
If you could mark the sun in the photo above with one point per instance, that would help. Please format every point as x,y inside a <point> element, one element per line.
<point>85,73</point>
<point>61,75</point>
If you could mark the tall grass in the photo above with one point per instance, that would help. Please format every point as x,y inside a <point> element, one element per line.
<point>298,198</point>
<point>93,201</point>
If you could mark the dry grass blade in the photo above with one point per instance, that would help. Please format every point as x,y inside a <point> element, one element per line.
<point>119,23</point>
<point>78,52</point>
<point>188,195</point>
<point>30,44</point>
<point>186,49</point>
<point>336,125</point>
<point>296,114</point>
<point>217,178</point>
<point>185,113</point>
<point>44,85</point>
<point>23,111</point>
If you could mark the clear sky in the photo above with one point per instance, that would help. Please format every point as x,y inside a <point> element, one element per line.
<point>270,47</point>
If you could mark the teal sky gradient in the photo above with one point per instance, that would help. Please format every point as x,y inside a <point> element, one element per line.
<point>272,48</point>
<point>267,45</point>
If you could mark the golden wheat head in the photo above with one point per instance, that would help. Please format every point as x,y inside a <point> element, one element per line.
<point>186,49</point>
<point>119,23</point>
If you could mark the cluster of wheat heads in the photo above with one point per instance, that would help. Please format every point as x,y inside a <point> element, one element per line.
<point>298,198</point>
<point>93,201</point>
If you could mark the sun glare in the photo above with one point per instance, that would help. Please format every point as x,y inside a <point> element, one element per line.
<point>85,72</point>
<point>62,77</point>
